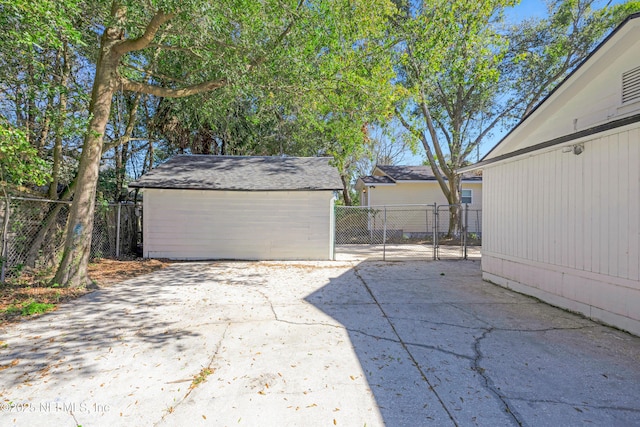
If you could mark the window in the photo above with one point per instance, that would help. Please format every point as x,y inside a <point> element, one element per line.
<point>466,196</point>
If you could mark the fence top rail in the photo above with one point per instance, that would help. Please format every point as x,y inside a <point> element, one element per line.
<point>460,205</point>
<point>35,199</point>
<point>67,202</point>
<point>387,206</point>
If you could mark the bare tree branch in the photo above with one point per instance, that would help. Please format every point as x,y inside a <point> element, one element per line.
<point>149,33</point>
<point>432,161</point>
<point>432,131</point>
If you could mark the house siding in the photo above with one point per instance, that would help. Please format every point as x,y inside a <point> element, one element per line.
<point>414,220</point>
<point>416,193</point>
<point>248,225</point>
<point>566,228</point>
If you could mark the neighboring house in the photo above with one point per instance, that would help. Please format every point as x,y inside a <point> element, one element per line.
<point>408,186</point>
<point>413,185</point>
<point>562,190</point>
<point>228,207</point>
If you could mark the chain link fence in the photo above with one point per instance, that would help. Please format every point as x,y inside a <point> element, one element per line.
<point>408,232</point>
<point>33,233</point>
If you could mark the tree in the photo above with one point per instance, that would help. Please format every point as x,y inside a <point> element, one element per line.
<point>543,52</point>
<point>449,65</point>
<point>464,77</point>
<point>120,40</point>
<point>207,46</point>
<point>388,145</point>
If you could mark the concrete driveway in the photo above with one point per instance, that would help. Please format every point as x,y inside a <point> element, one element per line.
<point>322,344</point>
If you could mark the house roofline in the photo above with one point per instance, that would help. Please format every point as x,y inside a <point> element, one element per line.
<point>555,89</point>
<point>375,184</point>
<point>149,187</point>
<point>557,141</point>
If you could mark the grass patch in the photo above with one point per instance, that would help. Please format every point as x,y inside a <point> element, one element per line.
<point>28,308</point>
<point>31,293</point>
<point>36,308</point>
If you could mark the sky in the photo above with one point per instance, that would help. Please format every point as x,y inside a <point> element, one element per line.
<point>526,9</point>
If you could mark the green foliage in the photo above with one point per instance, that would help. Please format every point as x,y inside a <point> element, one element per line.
<point>40,24</point>
<point>465,76</point>
<point>19,161</point>
<point>313,94</point>
<point>450,69</point>
<point>544,51</point>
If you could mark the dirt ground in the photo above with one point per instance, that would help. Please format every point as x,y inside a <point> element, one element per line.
<point>32,294</point>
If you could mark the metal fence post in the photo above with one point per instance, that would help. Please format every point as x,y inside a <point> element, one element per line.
<point>5,232</point>
<point>384,235</point>
<point>435,231</point>
<point>334,230</point>
<point>371,222</point>
<point>118,230</point>
<point>466,228</point>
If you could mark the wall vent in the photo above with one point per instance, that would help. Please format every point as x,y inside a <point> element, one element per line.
<point>631,85</point>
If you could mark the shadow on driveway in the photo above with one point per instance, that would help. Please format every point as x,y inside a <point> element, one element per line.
<point>441,347</point>
<point>324,343</point>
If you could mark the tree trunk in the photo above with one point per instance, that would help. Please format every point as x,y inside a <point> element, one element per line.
<point>62,113</point>
<point>454,202</point>
<point>47,225</point>
<point>150,156</point>
<point>345,191</point>
<point>75,257</point>
<point>122,153</point>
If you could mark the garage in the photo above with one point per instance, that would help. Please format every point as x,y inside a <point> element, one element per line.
<point>239,207</point>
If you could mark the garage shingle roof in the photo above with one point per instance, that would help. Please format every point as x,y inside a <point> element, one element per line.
<point>243,173</point>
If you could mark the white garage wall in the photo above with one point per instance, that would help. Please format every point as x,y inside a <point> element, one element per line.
<point>277,225</point>
<point>566,228</point>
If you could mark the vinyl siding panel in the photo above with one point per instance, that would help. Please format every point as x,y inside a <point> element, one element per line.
<point>581,219</point>
<point>575,241</point>
<point>194,224</point>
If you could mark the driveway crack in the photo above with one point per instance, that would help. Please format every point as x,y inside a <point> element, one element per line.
<point>576,406</point>
<point>488,382</point>
<point>405,347</point>
<point>208,367</point>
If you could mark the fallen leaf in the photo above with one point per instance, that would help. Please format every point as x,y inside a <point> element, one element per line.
<point>13,363</point>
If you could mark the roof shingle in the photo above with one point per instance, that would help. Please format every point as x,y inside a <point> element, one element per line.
<point>243,173</point>
<point>418,173</point>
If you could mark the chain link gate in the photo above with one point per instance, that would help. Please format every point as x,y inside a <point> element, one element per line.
<point>396,232</point>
